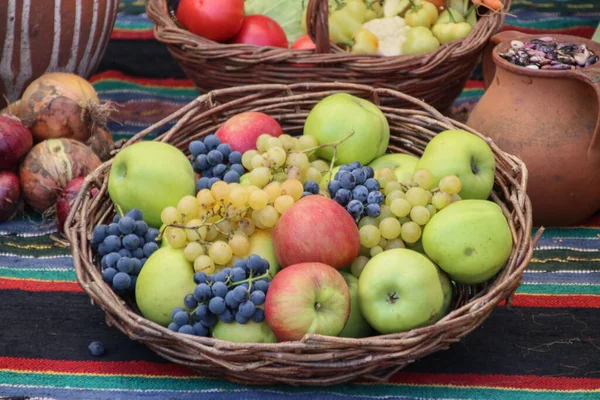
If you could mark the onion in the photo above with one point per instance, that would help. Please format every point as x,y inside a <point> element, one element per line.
<point>65,200</point>
<point>102,143</point>
<point>12,109</point>
<point>50,166</point>
<point>10,194</point>
<point>15,141</point>
<point>61,105</point>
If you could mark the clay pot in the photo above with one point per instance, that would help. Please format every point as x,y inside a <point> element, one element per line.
<point>550,119</point>
<point>51,35</point>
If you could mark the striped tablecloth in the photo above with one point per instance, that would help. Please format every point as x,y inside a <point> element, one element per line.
<point>546,347</point>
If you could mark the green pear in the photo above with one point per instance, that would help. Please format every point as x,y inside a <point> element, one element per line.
<point>448,289</point>
<point>166,278</point>
<point>252,332</point>
<point>150,176</point>
<point>356,326</point>
<point>470,240</point>
<point>337,116</point>
<point>328,177</point>
<point>460,153</point>
<point>403,165</point>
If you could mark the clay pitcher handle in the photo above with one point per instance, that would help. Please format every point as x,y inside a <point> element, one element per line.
<point>488,65</point>
<point>591,76</point>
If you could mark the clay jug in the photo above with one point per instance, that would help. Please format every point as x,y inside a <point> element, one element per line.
<point>51,35</point>
<point>550,119</point>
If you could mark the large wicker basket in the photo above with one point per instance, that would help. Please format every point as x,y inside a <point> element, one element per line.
<point>436,78</point>
<point>315,360</point>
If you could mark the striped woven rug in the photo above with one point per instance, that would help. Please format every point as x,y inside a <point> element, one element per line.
<point>546,347</point>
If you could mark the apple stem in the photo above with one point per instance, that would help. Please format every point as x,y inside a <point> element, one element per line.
<point>392,297</point>
<point>317,306</point>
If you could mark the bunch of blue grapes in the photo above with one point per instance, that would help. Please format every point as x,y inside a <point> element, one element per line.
<point>124,245</point>
<point>233,294</point>
<point>355,188</point>
<point>215,161</point>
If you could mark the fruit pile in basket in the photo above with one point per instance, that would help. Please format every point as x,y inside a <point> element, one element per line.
<point>388,28</point>
<point>258,236</point>
<point>49,140</point>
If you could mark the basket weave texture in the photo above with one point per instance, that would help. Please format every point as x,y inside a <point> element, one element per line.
<point>437,77</point>
<point>316,359</point>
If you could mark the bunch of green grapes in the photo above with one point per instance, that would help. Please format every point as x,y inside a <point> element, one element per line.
<point>407,208</point>
<point>214,227</point>
<point>281,158</point>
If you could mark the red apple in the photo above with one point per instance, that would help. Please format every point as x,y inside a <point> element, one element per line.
<point>316,229</point>
<point>307,298</point>
<point>242,130</point>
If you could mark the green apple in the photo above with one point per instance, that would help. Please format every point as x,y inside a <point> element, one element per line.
<point>460,153</point>
<point>166,278</point>
<point>470,240</point>
<point>251,332</point>
<point>356,326</point>
<point>150,176</point>
<point>340,114</point>
<point>403,165</point>
<point>400,290</point>
<point>261,244</point>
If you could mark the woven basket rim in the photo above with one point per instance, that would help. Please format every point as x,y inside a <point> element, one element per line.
<point>511,177</point>
<point>168,31</point>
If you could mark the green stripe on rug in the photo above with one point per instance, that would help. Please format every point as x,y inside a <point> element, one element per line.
<point>66,275</point>
<point>200,385</point>
<point>558,289</point>
<point>37,246</point>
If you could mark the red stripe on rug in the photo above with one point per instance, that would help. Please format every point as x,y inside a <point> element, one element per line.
<point>146,34</point>
<point>39,286</point>
<point>94,367</point>
<point>145,368</point>
<point>555,301</point>
<point>498,381</point>
<point>166,82</point>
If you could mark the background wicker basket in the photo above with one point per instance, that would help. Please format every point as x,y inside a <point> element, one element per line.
<point>316,360</point>
<point>436,78</point>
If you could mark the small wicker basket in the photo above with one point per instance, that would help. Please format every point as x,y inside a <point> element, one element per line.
<point>316,359</point>
<point>437,77</point>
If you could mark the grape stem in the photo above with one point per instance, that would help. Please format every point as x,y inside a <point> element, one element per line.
<point>333,158</point>
<point>204,224</point>
<point>333,144</point>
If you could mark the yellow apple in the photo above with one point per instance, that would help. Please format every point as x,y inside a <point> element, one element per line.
<point>403,165</point>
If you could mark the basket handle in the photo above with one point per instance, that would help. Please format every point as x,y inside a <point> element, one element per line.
<point>317,25</point>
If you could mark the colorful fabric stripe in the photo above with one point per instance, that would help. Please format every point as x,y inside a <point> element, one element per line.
<point>545,346</point>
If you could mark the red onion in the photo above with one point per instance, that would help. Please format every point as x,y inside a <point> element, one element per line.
<point>10,194</point>
<point>65,200</point>
<point>15,141</point>
<point>50,166</point>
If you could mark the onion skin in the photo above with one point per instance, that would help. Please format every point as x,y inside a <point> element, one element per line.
<point>102,143</point>
<point>10,195</point>
<point>60,105</point>
<point>15,141</point>
<point>66,198</point>
<point>50,166</point>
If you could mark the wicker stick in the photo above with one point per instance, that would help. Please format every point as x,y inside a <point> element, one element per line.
<point>437,77</point>
<point>316,359</point>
